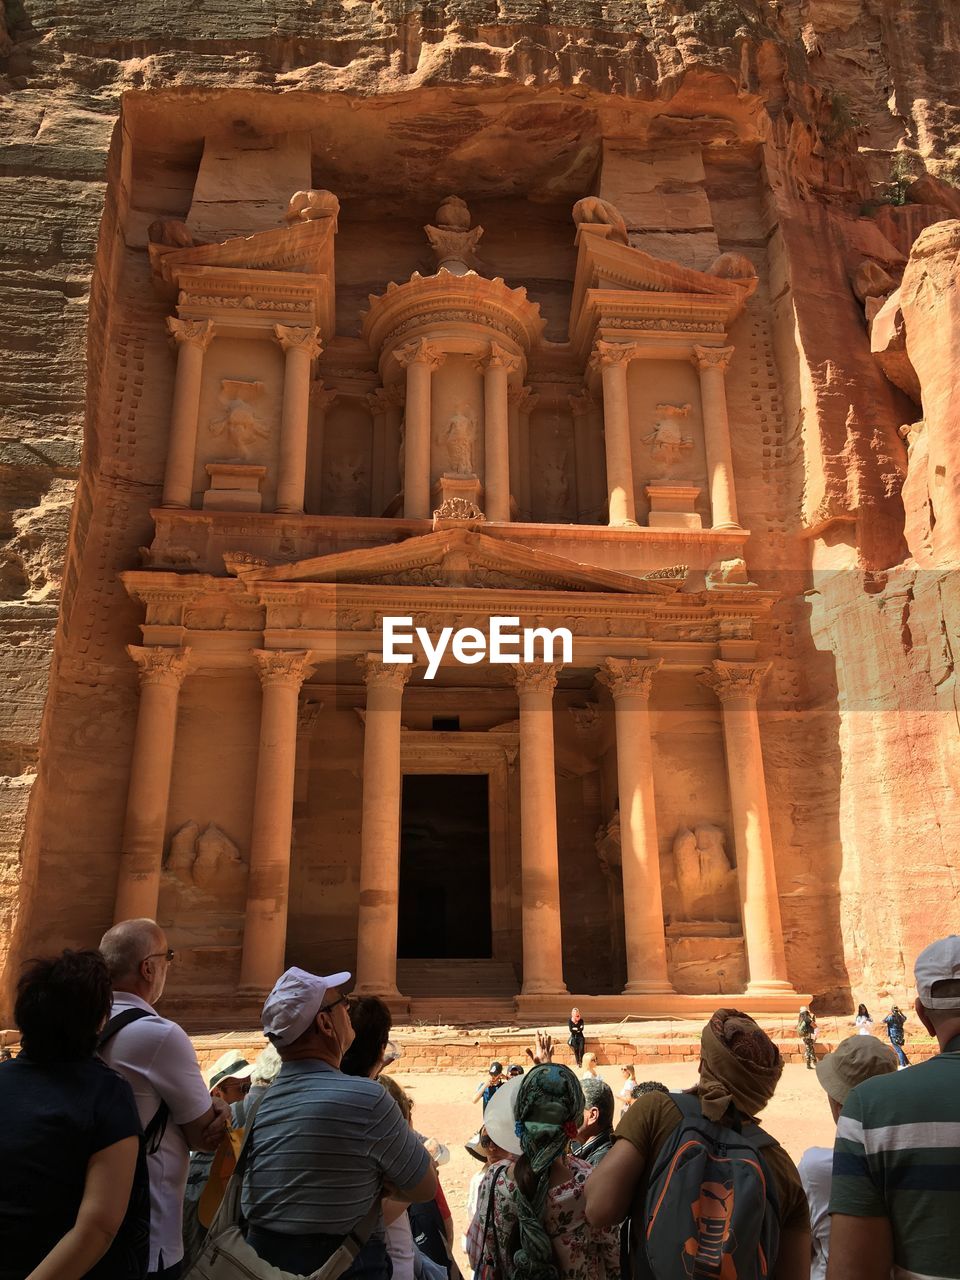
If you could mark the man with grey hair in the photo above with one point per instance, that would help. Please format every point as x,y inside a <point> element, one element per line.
<point>895,1196</point>
<point>595,1135</point>
<point>157,1058</point>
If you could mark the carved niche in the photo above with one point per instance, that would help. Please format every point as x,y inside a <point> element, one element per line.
<point>239,427</point>
<point>706,881</point>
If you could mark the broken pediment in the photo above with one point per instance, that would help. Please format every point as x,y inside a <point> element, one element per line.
<point>619,287</point>
<point>456,558</point>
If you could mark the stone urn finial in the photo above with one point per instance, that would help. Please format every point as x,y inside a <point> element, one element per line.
<point>453,240</point>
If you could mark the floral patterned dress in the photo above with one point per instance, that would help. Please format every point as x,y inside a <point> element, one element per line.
<point>581,1252</point>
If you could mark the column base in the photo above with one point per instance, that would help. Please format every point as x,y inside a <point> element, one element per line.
<point>543,989</point>
<point>641,988</point>
<point>174,506</point>
<point>623,524</point>
<point>383,990</point>
<point>288,510</point>
<point>728,526</point>
<point>773,987</point>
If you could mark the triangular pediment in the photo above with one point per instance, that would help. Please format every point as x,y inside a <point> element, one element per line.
<point>456,558</point>
<point>300,248</point>
<point>605,263</point>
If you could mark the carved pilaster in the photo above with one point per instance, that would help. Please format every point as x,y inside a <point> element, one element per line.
<point>536,677</point>
<point>730,680</point>
<point>160,666</point>
<point>629,677</point>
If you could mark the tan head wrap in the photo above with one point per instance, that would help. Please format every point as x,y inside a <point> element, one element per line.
<point>739,1064</point>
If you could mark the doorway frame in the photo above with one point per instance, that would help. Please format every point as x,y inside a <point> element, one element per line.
<point>493,753</point>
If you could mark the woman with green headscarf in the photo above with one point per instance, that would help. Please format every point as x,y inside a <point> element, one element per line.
<point>535,1228</point>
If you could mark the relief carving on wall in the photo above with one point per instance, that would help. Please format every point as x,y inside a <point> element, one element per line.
<point>460,439</point>
<point>209,861</point>
<point>705,878</point>
<point>345,484</point>
<point>239,426</point>
<point>668,442</point>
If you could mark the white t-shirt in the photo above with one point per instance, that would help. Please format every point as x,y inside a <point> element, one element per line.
<point>399,1238</point>
<point>158,1060</point>
<point>863,1024</point>
<point>816,1172</point>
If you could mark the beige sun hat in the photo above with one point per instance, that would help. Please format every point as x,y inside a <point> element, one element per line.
<point>854,1060</point>
<point>229,1066</point>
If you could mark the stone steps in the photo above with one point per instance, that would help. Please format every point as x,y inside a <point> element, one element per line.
<point>466,979</point>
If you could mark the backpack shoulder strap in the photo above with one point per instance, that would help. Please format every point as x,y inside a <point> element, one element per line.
<point>119,1021</point>
<point>157,1125</point>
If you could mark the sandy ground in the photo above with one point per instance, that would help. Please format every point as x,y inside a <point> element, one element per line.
<point>799,1117</point>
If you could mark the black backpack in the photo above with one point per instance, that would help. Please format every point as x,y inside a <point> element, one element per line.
<point>157,1126</point>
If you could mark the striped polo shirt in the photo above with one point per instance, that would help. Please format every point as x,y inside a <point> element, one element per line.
<point>897,1156</point>
<point>322,1145</point>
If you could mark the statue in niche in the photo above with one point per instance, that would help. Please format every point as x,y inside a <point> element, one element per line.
<point>705,878</point>
<point>556,486</point>
<point>593,210</point>
<point>345,480</point>
<point>209,861</point>
<point>667,440</point>
<point>460,437</point>
<point>240,427</point>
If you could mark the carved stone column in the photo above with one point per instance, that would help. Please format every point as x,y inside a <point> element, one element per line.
<point>712,363</point>
<point>419,358</point>
<point>737,685</point>
<point>540,868</point>
<point>613,359</point>
<point>192,338</point>
<point>521,400</point>
<point>301,347</point>
<point>281,672</point>
<point>629,681</point>
<point>148,791</point>
<point>321,398</point>
<point>496,368</point>
<point>380,829</point>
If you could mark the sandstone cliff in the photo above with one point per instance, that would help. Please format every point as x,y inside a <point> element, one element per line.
<point>814,115</point>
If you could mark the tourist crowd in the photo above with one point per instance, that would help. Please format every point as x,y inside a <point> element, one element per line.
<point>119,1160</point>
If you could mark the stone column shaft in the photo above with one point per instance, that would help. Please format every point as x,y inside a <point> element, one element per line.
<point>377,922</point>
<point>737,685</point>
<point>712,363</point>
<point>522,401</point>
<point>496,432</point>
<point>629,680</point>
<point>265,925</point>
<point>420,359</point>
<point>613,359</point>
<point>301,347</point>
<point>320,399</point>
<point>540,868</point>
<point>192,338</point>
<point>148,792</point>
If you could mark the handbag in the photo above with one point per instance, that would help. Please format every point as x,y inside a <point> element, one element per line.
<point>227,1256</point>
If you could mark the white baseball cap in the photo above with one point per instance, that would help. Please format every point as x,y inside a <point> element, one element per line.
<point>294,1002</point>
<point>940,962</point>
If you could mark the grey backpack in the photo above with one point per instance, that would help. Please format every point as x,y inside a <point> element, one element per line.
<point>711,1209</point>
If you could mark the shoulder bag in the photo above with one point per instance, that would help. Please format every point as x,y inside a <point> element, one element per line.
<point>227,1256</point>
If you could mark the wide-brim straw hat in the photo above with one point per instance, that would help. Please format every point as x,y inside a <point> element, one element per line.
<point>499,1120</point>
<point>854,1060</point>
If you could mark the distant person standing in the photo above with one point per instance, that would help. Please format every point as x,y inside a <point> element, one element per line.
<point>576,1039</point>
<point>807,1032</point>
<point>863,1022</point>
<point>895,1022</point>
<point>487,1088</point>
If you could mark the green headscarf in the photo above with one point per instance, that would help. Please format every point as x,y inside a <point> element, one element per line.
<point>548,1111</point>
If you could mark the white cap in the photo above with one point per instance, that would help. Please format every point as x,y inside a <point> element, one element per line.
<point>499,1120</point>
<point>229,1066</point>
<point>294,1002</point>
<point>940,962</point>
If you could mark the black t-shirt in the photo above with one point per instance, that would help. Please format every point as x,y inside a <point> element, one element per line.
<point>53,1118</point>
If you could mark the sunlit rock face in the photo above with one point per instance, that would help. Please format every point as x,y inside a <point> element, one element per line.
<point>637,319</point>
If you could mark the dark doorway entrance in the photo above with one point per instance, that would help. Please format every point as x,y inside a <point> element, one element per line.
<point>444,867</point>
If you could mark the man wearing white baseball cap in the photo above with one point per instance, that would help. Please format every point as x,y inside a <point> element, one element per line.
<point>325,1147</point>
<point>895,1201</point>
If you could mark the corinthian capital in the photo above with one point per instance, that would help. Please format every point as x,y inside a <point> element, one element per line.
<point>285,667</point>
<point>193,333</point>
<point>730,680</point>
<point>525,398</point>
<point>712,357</point>
<point>322,397</point>
<point>161,666</point>
<point>610,353</point>
<point>292,338</point>
<point>499,358</point>
<point>582,404</point>
<point>419,352</point>
<point>384,675</point>
<point>536,677</point>
<point>629,677</point>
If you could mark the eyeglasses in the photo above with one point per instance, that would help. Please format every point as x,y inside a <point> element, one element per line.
<point>325,1008</point>
<point>161,955</point>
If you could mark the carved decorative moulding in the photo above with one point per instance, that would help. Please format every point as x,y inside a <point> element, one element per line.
<point>384,675</point>
<point>498,358</point>
<point>193,333</point>
<point>294,338</point>
<point>535,677</point>
<point>612,353</point>
<point>712,357</point>
<point>285,667</point>
<point>419,352</point>
<point>629,677</point>
<point>732,681</point>
<point>160,666</point>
